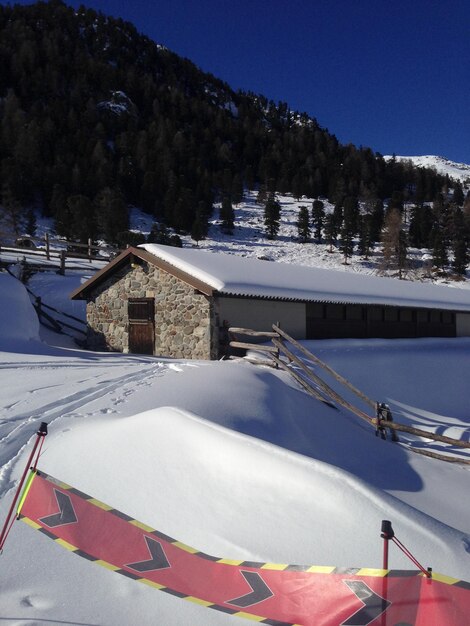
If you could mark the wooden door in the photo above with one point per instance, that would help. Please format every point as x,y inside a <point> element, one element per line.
<point>141,313</point>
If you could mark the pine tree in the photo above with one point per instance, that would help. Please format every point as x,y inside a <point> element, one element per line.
<point>377,220</point>
<point>351,212</point>
<point>460,260</point>
<point>203,212</point>
<point>197,229</point>
<point>440,257</point>
<point>159,234</point>
<point>318,218</point>
<point>458,196</point>
<point>421,223</point>
<point>396,202</point>
<point>303,224</point>
<point>318,185</point>
<point>111,214</point>
<point>347,238</point>
<point>227,216</point>
<point>402,253</point>
<point>366,243</point>
<point>13,218</point>
<point>237,189</point>
<point>262,194</point>
<point>31,222</point>
<point>272,216</point>
<point>466,202</point>
<point>83,225</point>
<point>331,231</point>
<point>349,227</point>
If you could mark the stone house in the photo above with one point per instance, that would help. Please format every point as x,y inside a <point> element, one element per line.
<point>173,302</point>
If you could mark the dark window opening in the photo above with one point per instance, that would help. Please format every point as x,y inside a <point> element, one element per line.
<point>391,315</point>
<point>354,312</point>
<point>335,311</point>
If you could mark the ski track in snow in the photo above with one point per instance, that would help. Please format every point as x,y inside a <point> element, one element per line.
<point>16,430</point>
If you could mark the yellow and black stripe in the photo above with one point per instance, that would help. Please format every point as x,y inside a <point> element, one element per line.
<point>314,569</point>
<point>150,583</point>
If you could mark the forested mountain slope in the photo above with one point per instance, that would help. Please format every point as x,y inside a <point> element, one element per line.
<point>95,116</point>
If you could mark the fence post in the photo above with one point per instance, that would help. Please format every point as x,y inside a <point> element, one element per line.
<point>46,238</point>
<point>62,262</point>
<point>22,270</point>
<point>89,250</point>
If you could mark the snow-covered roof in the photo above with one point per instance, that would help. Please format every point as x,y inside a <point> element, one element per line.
<point>233,275</point>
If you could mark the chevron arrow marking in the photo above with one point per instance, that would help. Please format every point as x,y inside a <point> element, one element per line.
<point>374,605</point>
<point>66,514</point>
<point>259,591</point>
<point>158,560</point>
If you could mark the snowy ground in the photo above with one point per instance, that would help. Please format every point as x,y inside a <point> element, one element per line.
<point>249,240</point>
<point>232,459</point>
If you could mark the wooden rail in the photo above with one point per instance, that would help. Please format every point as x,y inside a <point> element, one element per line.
<point>326,367</point>
<point>424,433</point>
<point>306,385</point>
<point>49,243</point>
<point>253,333</point>
<point>253,346</point>
<point>331,393</point>
<point>373,421</point>
<point>58,250</point>
<point>320,390</point>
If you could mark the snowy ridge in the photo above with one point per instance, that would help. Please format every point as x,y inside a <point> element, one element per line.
<point>457,171</point>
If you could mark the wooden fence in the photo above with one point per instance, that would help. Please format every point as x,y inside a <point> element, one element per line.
<point>55,251</point>
<point>293,357</point>
<point>53,318</point>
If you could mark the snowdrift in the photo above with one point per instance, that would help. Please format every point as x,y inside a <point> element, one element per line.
<point>18,319</point>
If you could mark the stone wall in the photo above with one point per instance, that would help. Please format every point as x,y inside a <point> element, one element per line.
<point>185,319</point>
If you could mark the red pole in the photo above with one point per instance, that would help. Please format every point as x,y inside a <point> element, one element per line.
<point>386,534</point>
<point>385,557</point>
<point>41,433</point>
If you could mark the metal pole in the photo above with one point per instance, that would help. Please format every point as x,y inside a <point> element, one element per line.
<point>386,534</point>
<point>42,432</point>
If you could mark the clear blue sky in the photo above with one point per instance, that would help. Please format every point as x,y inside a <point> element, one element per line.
<point>392,75</point>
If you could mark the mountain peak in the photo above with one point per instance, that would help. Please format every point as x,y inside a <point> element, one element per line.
<point>457,171</point>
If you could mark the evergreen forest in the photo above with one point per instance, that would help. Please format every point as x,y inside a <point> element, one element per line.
<point>95,117</point>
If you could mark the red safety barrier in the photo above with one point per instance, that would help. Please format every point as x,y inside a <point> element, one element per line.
<point>269,593</point>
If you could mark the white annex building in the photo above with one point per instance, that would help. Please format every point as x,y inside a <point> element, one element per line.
<point>169,301</point>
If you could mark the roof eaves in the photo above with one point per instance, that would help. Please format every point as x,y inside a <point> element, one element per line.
<point>413,305</point>
<point>81,292</point>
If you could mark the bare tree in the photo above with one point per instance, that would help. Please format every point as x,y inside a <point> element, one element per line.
<point>394,241</point>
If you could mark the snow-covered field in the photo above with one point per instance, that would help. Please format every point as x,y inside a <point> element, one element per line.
<point>230,458</point>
